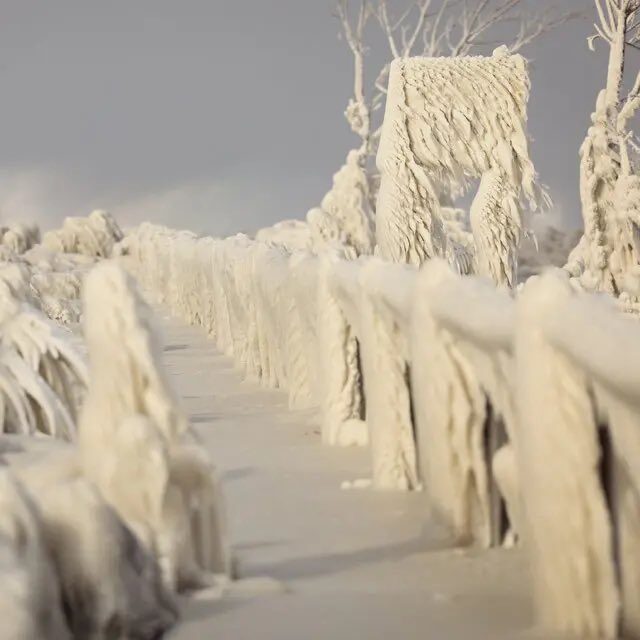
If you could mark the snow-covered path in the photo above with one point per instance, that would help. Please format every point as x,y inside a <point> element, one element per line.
<point>357,565</point>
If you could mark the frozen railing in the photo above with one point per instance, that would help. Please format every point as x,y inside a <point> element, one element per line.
<point>515,414</point>
<point>577,381</point>
<point>462,336</point>
<point>373,299</point>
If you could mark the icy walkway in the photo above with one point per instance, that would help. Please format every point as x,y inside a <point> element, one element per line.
<point>357,565</point>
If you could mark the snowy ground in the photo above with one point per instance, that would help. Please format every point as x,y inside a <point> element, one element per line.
<point>357,565</point>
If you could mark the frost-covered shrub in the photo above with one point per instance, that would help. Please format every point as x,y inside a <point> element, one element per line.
<point>347,204</point>
<point>95,235</point>
<point>19,237</point>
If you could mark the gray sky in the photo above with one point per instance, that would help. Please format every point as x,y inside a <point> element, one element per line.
<point>216,115</point>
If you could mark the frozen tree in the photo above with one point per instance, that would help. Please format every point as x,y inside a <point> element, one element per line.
<point>606,258</point>
<point>430,28</point>
<point>96,235</point>
<point>348,204</point>
<point>344,219</point>
<point>447,121</point>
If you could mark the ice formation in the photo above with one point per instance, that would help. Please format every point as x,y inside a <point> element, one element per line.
<point>584,404</point>
<point>606,259</point>
<point>19,237</point>
<point>43,375</point>
<point>347,204</point>
<point>133,434</point>
<point>95,235</point>
<point>294,235</point>
<point>342,398</point>
<point>449,120</point>
<point>107,582</point>
<point>29,589</point>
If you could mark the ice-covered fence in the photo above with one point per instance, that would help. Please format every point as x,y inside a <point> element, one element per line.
<point>340,335</point>
<point>461,337</point>
<point>461,388</point>
<point>372,301</point>
<point>578,381</point>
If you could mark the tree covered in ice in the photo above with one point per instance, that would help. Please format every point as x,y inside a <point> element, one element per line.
<point>95,235</point>
<point>19,237</point>
<point>606,259</point>
<point>448,121</point>
<point>428,28</point>
<point>344,217</point>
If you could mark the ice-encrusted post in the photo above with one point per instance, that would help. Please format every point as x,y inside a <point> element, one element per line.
<point>342,400</point>
<point>384,357</point>
<point>568,533</point>
<point>449,120</point>
<point>450,418</point>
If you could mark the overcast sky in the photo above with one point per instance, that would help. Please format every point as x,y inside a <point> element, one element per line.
<point>215,115</point>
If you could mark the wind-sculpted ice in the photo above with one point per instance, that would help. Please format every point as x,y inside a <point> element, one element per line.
<point>127,515</point>
<point>448,121</point>
<point>294,235</point>
<point>43,376</point>
<point>96,577</point>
